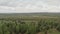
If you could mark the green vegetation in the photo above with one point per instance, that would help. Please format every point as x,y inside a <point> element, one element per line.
<point>29,24</point>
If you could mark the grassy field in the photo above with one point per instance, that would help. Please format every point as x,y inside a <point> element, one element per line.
<point>30,23</point>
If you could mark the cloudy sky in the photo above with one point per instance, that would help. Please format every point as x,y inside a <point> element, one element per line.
<point>27,6</point>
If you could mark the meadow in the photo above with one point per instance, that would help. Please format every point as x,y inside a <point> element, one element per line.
<point>29,24</point>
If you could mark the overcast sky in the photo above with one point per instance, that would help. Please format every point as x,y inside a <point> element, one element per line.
<point>26,6</point>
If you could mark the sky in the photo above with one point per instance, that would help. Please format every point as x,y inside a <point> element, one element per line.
<point>29,6</point>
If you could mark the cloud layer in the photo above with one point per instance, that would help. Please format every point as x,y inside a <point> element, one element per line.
<point>16,6</point>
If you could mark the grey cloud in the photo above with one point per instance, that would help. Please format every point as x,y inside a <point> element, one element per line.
<point>14,3</point>
<point>31,5</point>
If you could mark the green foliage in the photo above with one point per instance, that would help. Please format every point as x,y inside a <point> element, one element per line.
<point>28,26</point>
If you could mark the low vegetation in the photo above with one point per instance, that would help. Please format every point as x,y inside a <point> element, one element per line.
<point>29,25</point>
<point>33,25</point>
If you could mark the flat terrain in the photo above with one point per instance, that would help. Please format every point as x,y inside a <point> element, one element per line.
<point>30,23</point>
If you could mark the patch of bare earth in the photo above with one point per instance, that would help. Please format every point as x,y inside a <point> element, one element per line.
<point>39,33</point>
